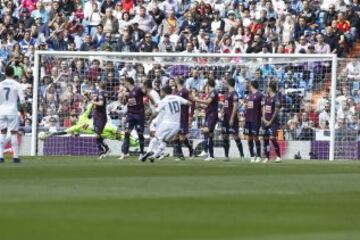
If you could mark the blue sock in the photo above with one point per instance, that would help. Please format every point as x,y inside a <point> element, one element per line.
<point>126,144</point>
<point>211,147</point>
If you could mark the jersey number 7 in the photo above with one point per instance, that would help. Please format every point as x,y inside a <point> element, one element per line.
<point>7,93</point>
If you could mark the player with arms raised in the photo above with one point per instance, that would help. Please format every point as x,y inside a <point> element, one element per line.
<point>211,117</point>
<point>184,123</point>
<point>253,120</point>
<point>169,116</point>
<point>231,120</point>
<point>270,110</point>
<point>11,93</point>
<point>135,115</point>
<point>100,119</point>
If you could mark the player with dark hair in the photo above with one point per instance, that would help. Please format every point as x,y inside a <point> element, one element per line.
<point>100,119</point>
<point>135,115</point>
<point>270,110</point>
<point>168,125</point>
<point>211,117</point>
<point>11,93</point>
<point>231,120</point>
<point>184,122</point>
<point>253,120</point>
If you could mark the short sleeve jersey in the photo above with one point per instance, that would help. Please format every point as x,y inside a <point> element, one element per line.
<point>253,107</point>
<point>231,98</point>
<point>212,108</point>
<point>100,111</point>
<point>10,93</point>
<point>135,102</point>
<point>270,104</point>
<point>170,108</point>
<point>184,93</point>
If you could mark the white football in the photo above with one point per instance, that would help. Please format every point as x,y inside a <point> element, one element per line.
<point>42,135</point>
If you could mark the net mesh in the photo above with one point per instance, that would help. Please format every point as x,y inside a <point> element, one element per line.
<point>304,93</point>
<point>347,125</point>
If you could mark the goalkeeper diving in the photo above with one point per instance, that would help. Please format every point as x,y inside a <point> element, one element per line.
<point>85,125</point>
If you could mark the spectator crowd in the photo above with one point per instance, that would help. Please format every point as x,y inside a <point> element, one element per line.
<point>188,26</point>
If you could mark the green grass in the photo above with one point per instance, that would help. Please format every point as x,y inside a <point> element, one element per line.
<point>83,198</point>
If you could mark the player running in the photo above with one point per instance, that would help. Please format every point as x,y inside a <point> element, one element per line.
<point>169,116</point>
<point>211,117</point>
<point>100,118</point>
<point>231,120</point>
<point>253,120</point>
<point>184,122</point>
<point>270,110</point>
<point>135,116</point>
<point>11,93</point>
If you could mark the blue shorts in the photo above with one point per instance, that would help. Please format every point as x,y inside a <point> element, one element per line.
<point>270,131</point>
<point>210,122</point>
<point>184,126</point>
<point>252,128</point>
<point>227,129</point>
<point>135,121</point>
<point>99,125</point>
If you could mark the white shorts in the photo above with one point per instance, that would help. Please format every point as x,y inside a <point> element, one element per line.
<point>152,127</point>
<point>9,122</point>
<point>167,131</point>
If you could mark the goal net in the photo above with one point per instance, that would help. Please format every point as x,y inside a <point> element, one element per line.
<point>307,123</point>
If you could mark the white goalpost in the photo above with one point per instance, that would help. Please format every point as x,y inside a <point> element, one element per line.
<point>60,83</point>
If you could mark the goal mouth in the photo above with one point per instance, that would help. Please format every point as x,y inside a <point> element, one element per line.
<point>301,78</point>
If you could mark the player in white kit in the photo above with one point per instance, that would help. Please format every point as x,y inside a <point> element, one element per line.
<point>168,122</point>
<point>11,93</point>
<point>154,98</point>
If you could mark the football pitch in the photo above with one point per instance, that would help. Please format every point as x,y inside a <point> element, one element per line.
<point>85,198</point>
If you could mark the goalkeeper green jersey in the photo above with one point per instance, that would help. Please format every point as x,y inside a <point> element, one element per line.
<point>85,125</point>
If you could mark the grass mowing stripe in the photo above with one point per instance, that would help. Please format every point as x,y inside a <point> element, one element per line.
<point>83,198</point>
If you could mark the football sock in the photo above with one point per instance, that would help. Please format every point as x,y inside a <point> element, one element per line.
<point>187,143</point>
<point>99,142</point>
<point>240,146</point>
<point>211,147</point>
<point>126,143</point>
<point>2,145</point>
<point>153,144</point>
<point>258,147</point>
<point>267,147</point>
<point>178,150</point>
<point>160,148</point>
<point>276,146</point>
<point>226,143</point>
<point>141,142</point>
<point>206,142</point>
<point>15,145</point>
<point>251,147</point>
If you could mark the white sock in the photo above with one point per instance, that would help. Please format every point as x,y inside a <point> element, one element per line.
<point>153,144</point>
<point>160,148</point>
<point>2,145</point>
<point>15,145</point>
<point>7,140</point>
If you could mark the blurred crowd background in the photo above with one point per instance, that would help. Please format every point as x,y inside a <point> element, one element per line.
<point>206,26</point>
